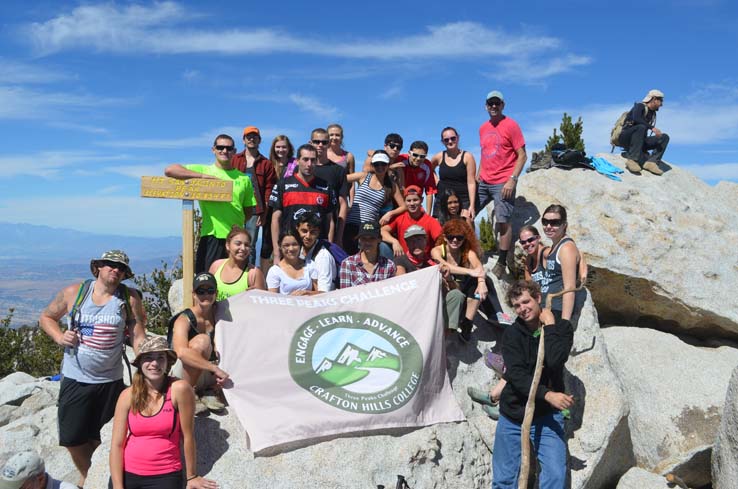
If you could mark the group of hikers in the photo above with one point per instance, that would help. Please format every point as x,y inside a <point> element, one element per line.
<point>326,223</point>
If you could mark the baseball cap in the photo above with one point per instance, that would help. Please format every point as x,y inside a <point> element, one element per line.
<point>21,467</point>
<point>116,256</point>
<point>251,129</point>
<point>412,189</point>
<point>415,230</point>
<point>204,278</point>
<point>380,158</point>
<point>653,94</point>
<point>370,228</point>
<point>495,94</point>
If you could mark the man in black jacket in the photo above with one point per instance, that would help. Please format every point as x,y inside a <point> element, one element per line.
<point>635,138</point>
<point>519,350</point>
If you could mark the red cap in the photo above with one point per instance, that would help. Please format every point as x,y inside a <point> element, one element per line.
<point>250,129</point>
<point>412,189</point>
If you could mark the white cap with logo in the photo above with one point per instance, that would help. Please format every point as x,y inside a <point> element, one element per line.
<point>21,467</point>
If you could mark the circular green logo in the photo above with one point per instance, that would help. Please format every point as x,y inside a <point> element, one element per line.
<point>358,362</point>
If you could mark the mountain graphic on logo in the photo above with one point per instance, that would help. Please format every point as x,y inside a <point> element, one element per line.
<point>354,363</point>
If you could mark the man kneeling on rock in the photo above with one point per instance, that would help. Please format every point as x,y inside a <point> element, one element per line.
<point>635,139</point>
<point>193,336</point>
<point>519,350</point>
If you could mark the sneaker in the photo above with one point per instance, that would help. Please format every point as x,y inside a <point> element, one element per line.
<point>464,335</point>
<point>633,167</point>
<point>653,167</point>
<point>498,270</point>
<point>504,319</point>
<point>480,396</point>
<point>200,408</point>
<point>495,362</point>
<point>491,411</point>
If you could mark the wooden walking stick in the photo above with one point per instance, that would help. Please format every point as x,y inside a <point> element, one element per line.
<point>530,405</point>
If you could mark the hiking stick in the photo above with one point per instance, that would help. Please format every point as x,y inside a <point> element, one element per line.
<point>530,405</point>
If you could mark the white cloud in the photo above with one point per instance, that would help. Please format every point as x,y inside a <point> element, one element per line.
<point>533,72</point>
<point>128,216</point>
<point>50,164</point>
<point>15,72</point>
<point>109,190</point>
<point>203,140</point>
<point>21,103</point>
<point>717,171</point>
<point>393,91</point>
<point>164,28</point>
<point>137,171</point>
<point>314,106</point>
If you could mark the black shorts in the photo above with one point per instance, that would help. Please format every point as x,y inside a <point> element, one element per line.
<point>172,480</point>
<point>209,249</point>
<point>266,236</point>
<point>84,409</point>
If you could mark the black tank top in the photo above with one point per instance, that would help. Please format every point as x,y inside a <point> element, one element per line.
<point>454,178</point>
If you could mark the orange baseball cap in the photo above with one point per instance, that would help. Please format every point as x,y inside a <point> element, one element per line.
<point>251,129</point>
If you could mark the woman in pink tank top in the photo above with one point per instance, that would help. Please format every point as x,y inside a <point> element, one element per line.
<point>154,419</point>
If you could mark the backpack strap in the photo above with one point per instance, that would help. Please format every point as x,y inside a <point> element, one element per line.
<point>82,293</point>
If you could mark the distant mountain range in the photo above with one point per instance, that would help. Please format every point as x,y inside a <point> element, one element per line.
<point>351,363</point>
<point>36,261</point>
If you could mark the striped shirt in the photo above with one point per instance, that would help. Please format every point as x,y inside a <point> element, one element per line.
<point>367,202</point>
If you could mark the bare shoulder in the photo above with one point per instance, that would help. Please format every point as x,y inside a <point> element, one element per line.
<point>181,389</point>
<point>216,264</point>
<point>62,301</point>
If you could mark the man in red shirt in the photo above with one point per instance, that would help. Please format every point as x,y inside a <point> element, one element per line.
<point>394,232</point>
<point>503,158</point>
<point>418,171</point>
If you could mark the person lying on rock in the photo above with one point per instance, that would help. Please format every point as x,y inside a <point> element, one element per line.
<point>644,151</point>
<point>193,338</point>
<point>519,350</point>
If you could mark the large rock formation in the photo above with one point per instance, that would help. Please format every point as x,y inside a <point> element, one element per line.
<point>676,393</point>
<point>637,478</point>
<point>725,452</point>
<point>661,248</point>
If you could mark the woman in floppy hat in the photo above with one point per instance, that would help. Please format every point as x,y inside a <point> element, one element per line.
<point>154,420</point>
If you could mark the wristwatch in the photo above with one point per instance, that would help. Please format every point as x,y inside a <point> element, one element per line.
<point>514,178</point>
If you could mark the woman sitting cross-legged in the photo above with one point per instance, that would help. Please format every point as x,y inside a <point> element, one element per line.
<point>154,420</point>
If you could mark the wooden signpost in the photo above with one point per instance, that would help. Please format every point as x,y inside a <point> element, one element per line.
<point>187,191</point>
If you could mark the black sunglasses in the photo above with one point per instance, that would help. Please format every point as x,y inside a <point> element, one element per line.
<point>320,142</point>
<point>114,264</point>
<point>205,291</point>
<point>452,139</point>
<point>552,222</point>
<point>417,155</point>
<point>528,241</point>
<point>456,237</point>
<point>223,147</point>
<point>394,145</point>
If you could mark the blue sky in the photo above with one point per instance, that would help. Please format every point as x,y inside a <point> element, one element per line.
<point>94,95</point>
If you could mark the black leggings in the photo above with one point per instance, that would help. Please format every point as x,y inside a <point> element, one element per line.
<point>172,480</point>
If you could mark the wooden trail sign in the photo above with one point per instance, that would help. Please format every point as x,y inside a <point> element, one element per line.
<point>187,191</point>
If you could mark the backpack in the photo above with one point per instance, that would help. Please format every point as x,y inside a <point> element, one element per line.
<point>567,158</point>
<point>338,255</point>
<point>618,129</point>
<point>124,294</point>
<point>170,327</point>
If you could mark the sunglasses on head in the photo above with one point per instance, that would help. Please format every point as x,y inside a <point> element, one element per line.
<point>452,139</point>
<point>320,142</point>
<point>205,291</point>
<point>529,240</point>
<point>552,222</point>
<point>394,145</point>
<point>418,156</point>
<point>456,237</point>
<point>115,265</point>
<point>223,147</point>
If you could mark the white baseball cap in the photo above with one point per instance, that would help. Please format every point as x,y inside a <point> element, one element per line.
<point>21,467</point>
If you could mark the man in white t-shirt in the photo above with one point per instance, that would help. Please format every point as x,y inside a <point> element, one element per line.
<point>314,253</point>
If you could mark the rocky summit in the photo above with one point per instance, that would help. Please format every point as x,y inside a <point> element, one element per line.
<point>650,368</point>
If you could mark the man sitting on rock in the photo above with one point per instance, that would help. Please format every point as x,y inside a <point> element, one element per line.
<point>519,350</point>
<point>635,139</point>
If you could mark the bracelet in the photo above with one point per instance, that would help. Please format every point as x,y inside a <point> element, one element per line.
<point>193,477</point>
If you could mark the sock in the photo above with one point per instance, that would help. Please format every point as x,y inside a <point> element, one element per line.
<point>503,257</point>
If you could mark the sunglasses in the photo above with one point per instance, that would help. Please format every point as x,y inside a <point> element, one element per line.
<point>114,264</point>
<point>530,240</point>
<point>552,222</point>
<point>205,291</point>
<point>418,156</point>
<point>394,145</point>
<point>252,136</point>
<point>222,147</point>
<point>452,139</point>
<point>494,102</point>
<point>320,142</point>
<point>456,237</point>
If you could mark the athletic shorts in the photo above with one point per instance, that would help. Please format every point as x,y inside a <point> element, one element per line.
<point>172,480</point>
<point>493,192</point>
<point>209,249</point>
<point>84,409</point>
<point>205,380</point>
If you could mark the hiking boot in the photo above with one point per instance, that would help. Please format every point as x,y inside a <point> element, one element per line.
<point>212,403</point>
<point>653,167</point>
<point>480,396</point>
<point>499,269</point>
<point>633,167</point>
<point>491,411</point>
<point>465,329</point>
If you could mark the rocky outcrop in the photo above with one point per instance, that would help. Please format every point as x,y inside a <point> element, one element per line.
<point>725,452</point>
<point>676,393</point>
<point>637,478</point>
<point>661,248</point>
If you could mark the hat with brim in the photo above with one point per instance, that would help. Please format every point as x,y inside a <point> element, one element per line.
<point>154,344</point>
<point>415,230</point>
<point>370,228</point>
<point>116,256</point>
<point>19,468</point>
<point>653,94</point>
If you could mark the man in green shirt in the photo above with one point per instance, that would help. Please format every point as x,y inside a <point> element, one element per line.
<point>218,217</point>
